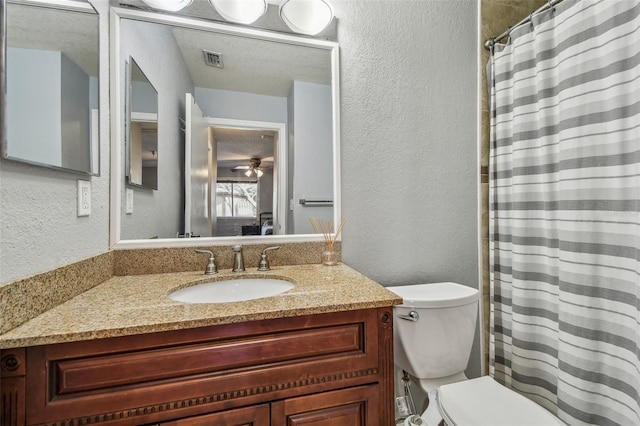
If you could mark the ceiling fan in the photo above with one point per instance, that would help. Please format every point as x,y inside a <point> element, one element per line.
<point>252,169</point>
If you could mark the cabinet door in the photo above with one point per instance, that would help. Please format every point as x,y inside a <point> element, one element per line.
<point>248,416</point>
<point>347,407</point>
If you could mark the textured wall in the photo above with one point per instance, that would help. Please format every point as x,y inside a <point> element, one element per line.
<point>39,228</point>
<point>409,162</point>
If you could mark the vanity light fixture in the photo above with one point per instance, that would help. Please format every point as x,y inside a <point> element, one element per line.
<point>302,16</point>
<point>306,16</point>
<point>240,11</point>
<point>168,5</point>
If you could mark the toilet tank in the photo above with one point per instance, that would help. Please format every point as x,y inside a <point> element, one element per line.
<point>439,343</point>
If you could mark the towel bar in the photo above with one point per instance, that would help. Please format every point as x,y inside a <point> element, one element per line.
<point>311,203</point>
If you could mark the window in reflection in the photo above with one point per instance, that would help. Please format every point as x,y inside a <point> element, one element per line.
<point>237,199</point>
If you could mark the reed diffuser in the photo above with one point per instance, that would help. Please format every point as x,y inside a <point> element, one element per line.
<point>320,226</point>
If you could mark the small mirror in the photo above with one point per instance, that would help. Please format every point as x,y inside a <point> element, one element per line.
<point>142,135</point>
<point>51,111</point>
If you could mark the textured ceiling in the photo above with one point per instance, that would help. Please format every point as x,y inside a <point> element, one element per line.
<point>235,146</point>
<point>251,65</point>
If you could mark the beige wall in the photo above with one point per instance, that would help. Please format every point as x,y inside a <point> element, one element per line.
<point>495,17</point>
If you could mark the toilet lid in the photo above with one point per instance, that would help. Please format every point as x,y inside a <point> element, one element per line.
<point>435,295</point>
<point>483,401</point>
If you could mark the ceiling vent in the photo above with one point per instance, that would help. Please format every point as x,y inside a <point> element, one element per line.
<point>213,59</point>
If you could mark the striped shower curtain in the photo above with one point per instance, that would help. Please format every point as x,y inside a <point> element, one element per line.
<point>565,211</point>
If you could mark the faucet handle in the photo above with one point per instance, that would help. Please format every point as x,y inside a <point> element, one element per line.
<point>238,259</point>
<point>211,266</point>
<point>264,262</point>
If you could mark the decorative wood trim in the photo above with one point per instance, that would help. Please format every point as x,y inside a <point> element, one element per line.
<point>12,363</point>
<point>255,415</point>
<point>12,401</point>
<point>385,359</point>
<point>12,387</point>
<point>210,399</point>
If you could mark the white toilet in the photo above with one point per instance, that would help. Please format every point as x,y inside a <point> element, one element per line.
<point>433,334</point>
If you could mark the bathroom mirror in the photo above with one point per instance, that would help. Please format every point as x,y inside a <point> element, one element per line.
<point>50,116</point>
<point>142,128</point>
<point>211,80</point>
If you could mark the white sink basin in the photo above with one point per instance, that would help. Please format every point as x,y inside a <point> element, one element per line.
<point>234,290</point>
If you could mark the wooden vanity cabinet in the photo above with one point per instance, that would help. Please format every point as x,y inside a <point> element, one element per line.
<point>257,415</point>
<point>325,369</point>
<point>346,407</point>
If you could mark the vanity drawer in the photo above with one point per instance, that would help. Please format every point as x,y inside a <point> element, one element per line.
<point>77,377</point>
<point>152,377</point>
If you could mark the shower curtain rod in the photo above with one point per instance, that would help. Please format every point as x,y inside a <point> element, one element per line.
<point>489,43</point>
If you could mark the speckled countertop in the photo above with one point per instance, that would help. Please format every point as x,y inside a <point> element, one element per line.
<point>135,304</point>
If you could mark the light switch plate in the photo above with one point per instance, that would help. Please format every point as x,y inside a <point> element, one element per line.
<point>128,208</point>
<point>84,198</point>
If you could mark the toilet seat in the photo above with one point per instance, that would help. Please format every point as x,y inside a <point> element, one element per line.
<point>483,401</point>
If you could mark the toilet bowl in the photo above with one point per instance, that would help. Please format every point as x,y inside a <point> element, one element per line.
<point>433,335</point>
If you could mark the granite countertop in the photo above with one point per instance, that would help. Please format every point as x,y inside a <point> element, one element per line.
<point>136,304</point>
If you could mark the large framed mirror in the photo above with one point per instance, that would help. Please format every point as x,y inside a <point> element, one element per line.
<point>50,111</point>
<point>247,132</point>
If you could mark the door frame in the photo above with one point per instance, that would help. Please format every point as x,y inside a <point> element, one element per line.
<point>279,163</point>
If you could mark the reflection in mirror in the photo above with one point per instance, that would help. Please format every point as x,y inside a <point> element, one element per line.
<point>245,188</point>
<point>51,114</point>
<point>225,95</point>
<point>143,129</point>
<point>244,173</point>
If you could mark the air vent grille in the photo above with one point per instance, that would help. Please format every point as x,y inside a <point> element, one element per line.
<point>213,59</point>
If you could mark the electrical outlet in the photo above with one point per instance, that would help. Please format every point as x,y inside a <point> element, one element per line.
<point>84,198</point>
<point>128,208</point>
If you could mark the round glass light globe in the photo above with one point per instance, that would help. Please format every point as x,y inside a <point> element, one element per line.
<point>306,16</point>
<point>169,5</point>
<point>240,11</point>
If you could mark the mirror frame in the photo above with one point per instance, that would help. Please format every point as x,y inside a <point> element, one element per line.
<point>117,142</point>
<point>68,5</point>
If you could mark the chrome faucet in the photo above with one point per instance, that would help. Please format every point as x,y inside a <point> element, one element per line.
<point>238,259</point>
<point>211,266</point>
<point>264,262</point>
